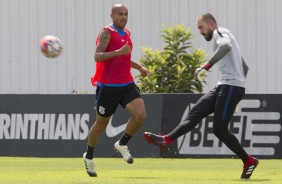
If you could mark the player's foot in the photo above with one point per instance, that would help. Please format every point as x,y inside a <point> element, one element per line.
<point>249,167</point>
<point>123,150</point>
<point>155,139</point>
<point>90,166</point>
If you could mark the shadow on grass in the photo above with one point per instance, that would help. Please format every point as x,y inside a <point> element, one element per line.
<point>254,180</point>
<point>137,177</point>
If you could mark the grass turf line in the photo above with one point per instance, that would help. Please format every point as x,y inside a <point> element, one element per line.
<point>143,171</point>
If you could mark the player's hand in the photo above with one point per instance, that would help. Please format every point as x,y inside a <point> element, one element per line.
<point>200,74</point>
<point>144,72</point>
<point>124,49</point>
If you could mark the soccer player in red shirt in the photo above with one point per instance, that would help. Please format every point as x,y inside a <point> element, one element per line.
<point>115,85</point>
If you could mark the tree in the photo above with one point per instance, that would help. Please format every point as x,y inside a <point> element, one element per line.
<point>172,70</point>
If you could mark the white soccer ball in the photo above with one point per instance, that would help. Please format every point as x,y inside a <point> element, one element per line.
<point>51,46</point>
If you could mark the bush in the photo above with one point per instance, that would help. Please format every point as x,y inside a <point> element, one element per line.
<point>172,70</point>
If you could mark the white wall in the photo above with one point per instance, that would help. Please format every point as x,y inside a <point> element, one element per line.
<point>255,23</point>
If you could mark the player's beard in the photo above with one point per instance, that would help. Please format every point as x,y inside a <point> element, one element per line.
<point>209,35</point>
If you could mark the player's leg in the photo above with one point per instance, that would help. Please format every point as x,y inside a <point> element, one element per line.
<point>106,104</point>
<point>203,107</point>
<point>132,102</point>
<point>93,136</point>
<point>95,132</point>
<point>228,98</point>
<point>137,110</point>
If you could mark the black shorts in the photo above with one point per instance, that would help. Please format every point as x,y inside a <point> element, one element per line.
<point>108,98</point>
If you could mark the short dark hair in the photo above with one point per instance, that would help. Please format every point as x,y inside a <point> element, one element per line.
<point>207,17</point>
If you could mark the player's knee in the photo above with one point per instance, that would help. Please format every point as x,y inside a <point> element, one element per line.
<point>100,126</point>
<point>140,117</point>
<point>220,131</point>
<point>216,132</point>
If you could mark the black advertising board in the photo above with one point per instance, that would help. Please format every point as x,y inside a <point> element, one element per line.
<point>58,125</point>
<point>256,123</point>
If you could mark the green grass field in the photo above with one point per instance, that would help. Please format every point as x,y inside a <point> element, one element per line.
<point>144,170</point>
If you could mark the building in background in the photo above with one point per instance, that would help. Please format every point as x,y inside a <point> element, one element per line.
<point>23,69</point>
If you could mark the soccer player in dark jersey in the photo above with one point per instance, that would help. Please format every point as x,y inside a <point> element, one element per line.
<point>115,85</point>
<point>223,99</point>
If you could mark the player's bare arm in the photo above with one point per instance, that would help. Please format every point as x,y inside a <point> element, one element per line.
<point>143,71</point>
<point>101,55</point>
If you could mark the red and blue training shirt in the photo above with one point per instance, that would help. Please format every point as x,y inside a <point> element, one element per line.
<point>114,71</point>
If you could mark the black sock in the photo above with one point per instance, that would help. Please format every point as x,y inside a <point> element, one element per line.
<point>89,152</point>
<point>124,140</point>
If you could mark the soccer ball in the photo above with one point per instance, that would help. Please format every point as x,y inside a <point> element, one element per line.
<point>51,46</point>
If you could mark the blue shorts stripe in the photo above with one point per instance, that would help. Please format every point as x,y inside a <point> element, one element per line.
<point>99,93</point>
<point>114,85</point>
<point>227,102</point>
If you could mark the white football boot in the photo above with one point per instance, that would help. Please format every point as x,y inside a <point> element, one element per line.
<point>123,150</point>
<point>90,166</point>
